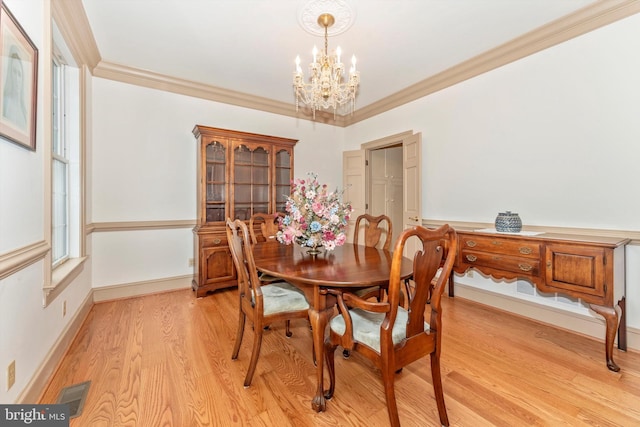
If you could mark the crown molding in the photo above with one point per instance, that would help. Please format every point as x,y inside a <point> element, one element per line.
<point>589,18</point>
<point>73,23</point>
<point>150,79</point>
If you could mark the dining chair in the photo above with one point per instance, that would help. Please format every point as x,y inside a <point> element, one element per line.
<point>374,228</point>
<point>268,224</point>
<point>262,303</point>
<point>390,335</point>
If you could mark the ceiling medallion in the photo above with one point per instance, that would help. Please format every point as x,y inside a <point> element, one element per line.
<point>341,10</point>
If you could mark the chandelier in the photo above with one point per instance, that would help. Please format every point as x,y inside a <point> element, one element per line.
<point>326,88</point>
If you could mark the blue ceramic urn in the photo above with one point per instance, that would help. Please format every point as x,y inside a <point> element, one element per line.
<point>508,222</point>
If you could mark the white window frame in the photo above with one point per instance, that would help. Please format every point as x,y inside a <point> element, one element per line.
<point>60,209</point>
<point>70,125</point>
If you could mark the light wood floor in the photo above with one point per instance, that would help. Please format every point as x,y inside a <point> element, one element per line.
<point>165,360</point>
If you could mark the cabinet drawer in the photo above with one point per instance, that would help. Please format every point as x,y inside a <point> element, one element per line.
<point>501,245</point>
<point>520,265</point>
<point>210,240</point>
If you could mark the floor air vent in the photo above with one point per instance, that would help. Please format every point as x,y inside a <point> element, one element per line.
<point>74,396</point>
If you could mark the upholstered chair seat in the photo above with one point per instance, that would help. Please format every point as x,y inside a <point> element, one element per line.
<point>281,297</point>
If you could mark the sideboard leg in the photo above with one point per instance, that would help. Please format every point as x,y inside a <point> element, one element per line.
<point>622,328</point>
<point>611,317</point>
<point>451,290</point>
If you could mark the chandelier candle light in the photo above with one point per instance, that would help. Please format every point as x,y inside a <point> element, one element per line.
<point>326,88</point>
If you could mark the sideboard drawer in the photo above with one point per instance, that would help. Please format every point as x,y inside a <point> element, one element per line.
<point>520,265</point>
<point>501,245</point>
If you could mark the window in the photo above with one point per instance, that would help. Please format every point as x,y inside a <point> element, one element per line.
<point>60,169</point>
<point>66,215</point>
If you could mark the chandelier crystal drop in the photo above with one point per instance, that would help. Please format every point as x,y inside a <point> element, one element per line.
<point>326,87</point>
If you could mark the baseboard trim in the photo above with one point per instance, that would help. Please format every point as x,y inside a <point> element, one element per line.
<point>39,381</point>
<point>574,322</point>
<point>134,289</point>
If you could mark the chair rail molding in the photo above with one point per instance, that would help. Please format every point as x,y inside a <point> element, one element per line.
<point>138,225</point>
<point>627,234</point>
<point>16,260</point>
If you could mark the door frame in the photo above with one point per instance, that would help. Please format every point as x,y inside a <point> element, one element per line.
<point>357,180</point>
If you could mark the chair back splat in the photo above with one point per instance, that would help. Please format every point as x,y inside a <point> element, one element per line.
<point>392,335</point>
<point>374,228</point>
<point>262,303</point>
<point>263,227</point>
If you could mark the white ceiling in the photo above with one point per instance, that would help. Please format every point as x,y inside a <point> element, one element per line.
<point>250,46</point>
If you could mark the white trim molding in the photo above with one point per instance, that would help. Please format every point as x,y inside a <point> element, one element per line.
<point>587,19</point>
<point>40,379</point>
<point>138,225</point>
<point>134,289</point>
<point>20,258</point>
<point>592,326</point>
<point>465,225</point>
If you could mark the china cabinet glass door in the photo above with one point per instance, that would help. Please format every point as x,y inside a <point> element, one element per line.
<point>215,181</point>
<point>283,178</point>
<point>251,181</point>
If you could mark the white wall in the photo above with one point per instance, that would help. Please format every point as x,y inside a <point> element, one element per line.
<point>551,136</point>
<point>28,331</point>
<point>554,137</point>
<point>144,169</point>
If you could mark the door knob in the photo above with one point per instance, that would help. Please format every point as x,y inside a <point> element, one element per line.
<point>413,218</point>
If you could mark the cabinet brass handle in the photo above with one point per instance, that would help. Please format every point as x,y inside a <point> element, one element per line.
<point>413,218</point>
<point>525,267</point>
<point>548,264</point>
<point>495,242</point>
<point>471,243</point>
<point>526,250</point>
<point>471,258</point>
<point>216,241</point>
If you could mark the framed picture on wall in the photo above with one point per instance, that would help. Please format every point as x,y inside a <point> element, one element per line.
<point>18,82</point>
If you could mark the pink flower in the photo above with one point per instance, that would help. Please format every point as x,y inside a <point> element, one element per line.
<point>317,207</point>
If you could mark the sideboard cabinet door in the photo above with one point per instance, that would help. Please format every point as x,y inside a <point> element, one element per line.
<point>577,270</point>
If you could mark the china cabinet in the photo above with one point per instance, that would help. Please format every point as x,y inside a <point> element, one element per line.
<point>238,174</point>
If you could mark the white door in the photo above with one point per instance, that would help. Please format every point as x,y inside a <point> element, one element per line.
<point>411,177</point>
<point>353,179</point>
<point>384,180</point>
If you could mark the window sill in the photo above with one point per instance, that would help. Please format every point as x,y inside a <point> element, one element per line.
<point>61,276</point>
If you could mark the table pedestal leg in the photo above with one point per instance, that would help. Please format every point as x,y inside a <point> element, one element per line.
<point>318,321</point>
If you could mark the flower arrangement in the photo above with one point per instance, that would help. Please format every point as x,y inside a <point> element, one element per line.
<point>315,217</point>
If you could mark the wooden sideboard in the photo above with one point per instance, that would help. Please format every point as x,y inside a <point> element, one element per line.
<point>586,267</point>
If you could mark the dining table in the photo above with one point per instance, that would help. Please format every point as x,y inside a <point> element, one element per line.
<point>349,266</point>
